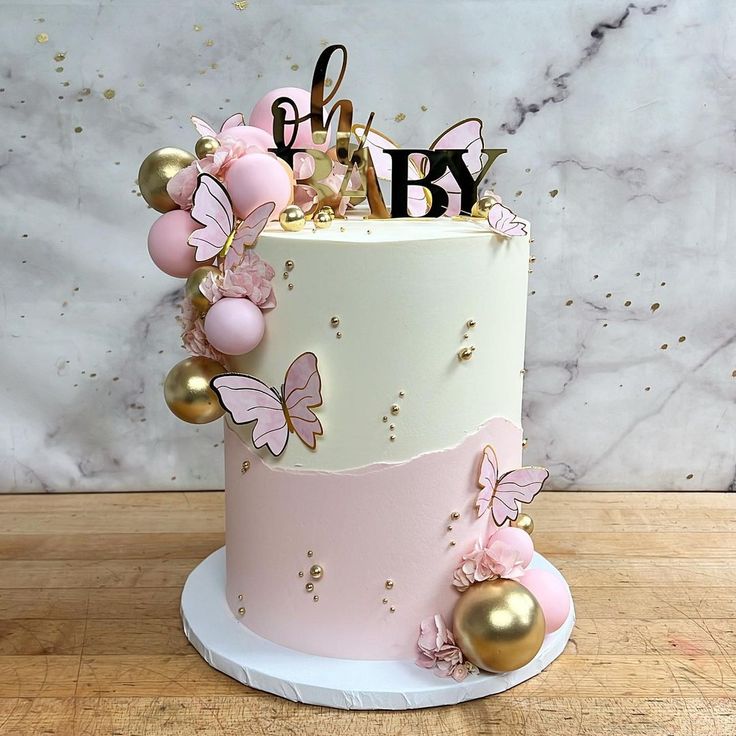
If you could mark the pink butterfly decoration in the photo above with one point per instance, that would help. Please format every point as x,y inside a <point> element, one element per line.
<point>204,128</point>
<point>222,231</point>
<point>503,221</point>
<point>503,494</point>
<point>276,414</point>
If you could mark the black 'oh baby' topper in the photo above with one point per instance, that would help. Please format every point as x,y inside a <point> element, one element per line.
<point>442,179</point>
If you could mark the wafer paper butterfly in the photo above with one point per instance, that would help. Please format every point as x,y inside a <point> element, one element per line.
<point>204,128</point>
<point>503,494</point>
<point>276,413</point>
<point>213,208</point>
<point>503,221</point>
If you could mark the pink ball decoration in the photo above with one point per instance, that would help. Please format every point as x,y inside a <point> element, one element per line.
<point>167,243</point>
<point>262,117</point>
<point>234,325</point>
<point>552,593</point>
<point>518,539</point>
<point>256,179</point>
<point>249,135</point>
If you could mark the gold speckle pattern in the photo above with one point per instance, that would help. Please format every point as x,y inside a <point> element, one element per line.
<point>654,307</point>
<point>59,56</point>
<point>682,338</point>
<point>240,4</point>
<point>108,94</point>
<point>400,117</point>
<point>663,346</point>
<point>42,38</point>
<point>689,476</point>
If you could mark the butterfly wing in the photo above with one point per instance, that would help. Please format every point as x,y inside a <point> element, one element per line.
<point>302,393</point>
<point>487,479</point>
<point>514,487</point>
<point>503,221</point>
<point>247,400</point>
<point>203,127</point>
<point>213,209</point>
<point>467,134</point>
<point>248,231</point>
<point>233,121</point>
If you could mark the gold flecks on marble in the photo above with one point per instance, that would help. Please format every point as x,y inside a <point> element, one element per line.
<point>399,117</point>
<point>78,129</point>
<point>240,4</point>
<point>663,346</point>
<point>532,259</point>
<point>627,303</point>
<point>568,303</point>
<point>309,587</point>
<point>315,598</point>
<point>108,94</point>
<point>553,193</point>
<point>682,338</point>
<point>389,584</point>
<point>316,572</point>
<point>245,467</point>
<point>295,67</point>
<point>289,265</point>
<point>395,409</point>
<point>335,321</point>
<point>609,295</point>
<point>455,515</point>
<point>209,43</point>
<point>654,307</point>
<point>241,611</point>
<point>42,38</point>
<point>59,56</point>
<point>689,476</point>
<point>197,27</point>
<point>424,108</point>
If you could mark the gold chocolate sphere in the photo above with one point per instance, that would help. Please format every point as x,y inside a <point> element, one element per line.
<point>195,296</point>
<point>156,170</point>
<point>525,522</point>
<point>292,218</point>
<point>188,393</point>
<point>316,572</point>
<point>322,220</point>
<point>499,625</point>
<point>205,146</point>
<point>482,207</point>
<point>326,208</point>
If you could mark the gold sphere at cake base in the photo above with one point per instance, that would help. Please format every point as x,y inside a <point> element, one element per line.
<point>524,522</point>
<point>483,206</point>
<point>292,218</point>
<point>156,170</point>
<point>498,625</point>
<point>188,393</point>
<point>323,219</point>
<point>206,146</point>
<point>199,301</point>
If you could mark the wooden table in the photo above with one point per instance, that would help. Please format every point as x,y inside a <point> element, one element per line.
<point>91,642</point>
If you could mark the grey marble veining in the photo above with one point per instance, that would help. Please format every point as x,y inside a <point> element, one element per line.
<point>619,119</point>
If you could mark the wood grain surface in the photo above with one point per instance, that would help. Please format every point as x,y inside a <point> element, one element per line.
<point>91,643</point>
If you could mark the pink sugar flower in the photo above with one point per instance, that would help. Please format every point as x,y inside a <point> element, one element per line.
<point>497,560</point>
<point>250,277</point>
<point>438,651</point>
<point>193,336</point>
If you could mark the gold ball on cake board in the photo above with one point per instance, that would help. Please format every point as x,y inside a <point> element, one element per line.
<point>195,296</point>
<point>498,625</point>
<point>483,206</point>
<point>188,393</point>
<point>205,146</point>
<point>156,170</point>
<point>524,522</point>
<point>322,219</point>
<point>292,218</point>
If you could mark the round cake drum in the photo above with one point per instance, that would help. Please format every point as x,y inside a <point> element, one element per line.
<point>230,647</point>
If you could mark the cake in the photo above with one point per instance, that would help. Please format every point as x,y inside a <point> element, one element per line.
<point>370,369</point>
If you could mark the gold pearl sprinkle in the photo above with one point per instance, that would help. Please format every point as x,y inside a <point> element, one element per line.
<point>465,354</point>
<point>453,543</point>
<point>392,426</point>
<point>395,409</point>
<point>315,598</point>
<point>335,321</point>
<point>240,597</point>
<point>342,229</point>
<point>291,287</point>
<point>289,265</point>
<point>42,38</point>
<point>402,394</point>
<point>389,584</point>
<point>241,611</point>
<point>524,442</point>
<point>301,573</point>
<point>455,515</point>
<point>60,56</point>
<point>384,601</point>
<point>466,336</point>
<point>245,467</point>
<point>309,587</point>
<point>384,419</point>
<point>286,274</point>
<point>450,527</point>
<point>316,572</point>
<point>310,553</point>
<point>471,323</point>
<point>392,609</point>
<point>392,438</point>
<point>338,335</point>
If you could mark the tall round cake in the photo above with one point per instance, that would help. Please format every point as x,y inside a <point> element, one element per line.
<point>418,329</point>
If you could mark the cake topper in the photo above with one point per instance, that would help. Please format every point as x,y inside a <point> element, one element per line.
<point>276,413</point>
<point>446,175</point>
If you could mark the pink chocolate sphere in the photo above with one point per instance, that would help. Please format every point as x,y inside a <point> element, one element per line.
<point>234,325</point>
<point>167,243</point>
<point>248,135</point>
<point>262,117</point>
<point>255,179</point>
<point>518,539</point>
<point>552,593</point>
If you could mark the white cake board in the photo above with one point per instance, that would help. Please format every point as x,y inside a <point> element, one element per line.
<point>227,645</point>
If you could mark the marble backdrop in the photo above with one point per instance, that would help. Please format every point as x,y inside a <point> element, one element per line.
<point>619,118</point>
